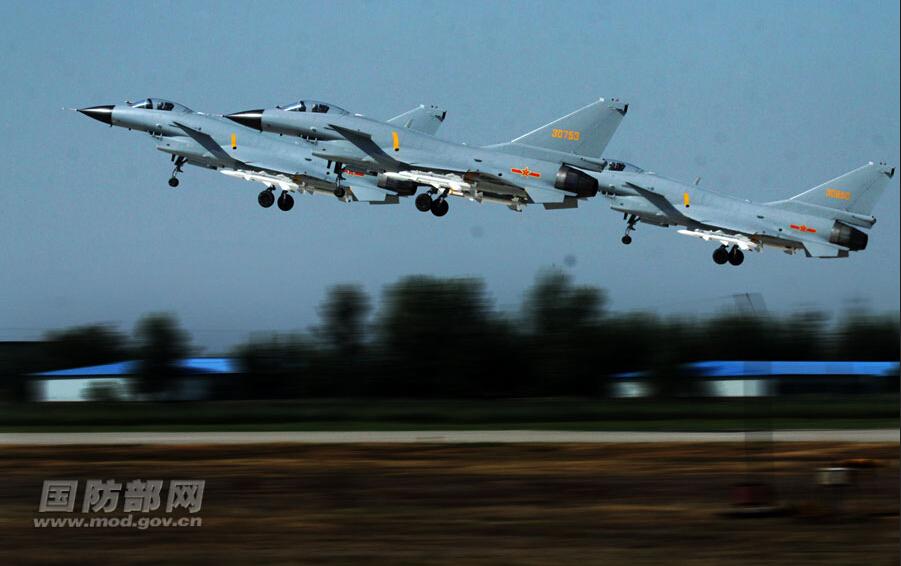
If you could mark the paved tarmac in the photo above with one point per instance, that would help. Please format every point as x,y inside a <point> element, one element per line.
<point>437,436</point>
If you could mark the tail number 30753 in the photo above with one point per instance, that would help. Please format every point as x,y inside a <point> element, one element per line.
<point>570,135</point>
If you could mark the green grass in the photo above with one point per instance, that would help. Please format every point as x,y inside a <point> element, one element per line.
<point>876,411</point>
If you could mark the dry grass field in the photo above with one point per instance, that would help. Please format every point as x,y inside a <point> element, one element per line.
<point>466,504</point>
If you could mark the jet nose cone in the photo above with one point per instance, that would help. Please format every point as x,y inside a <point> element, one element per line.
<point>102,113</point>
<point>250,118</point>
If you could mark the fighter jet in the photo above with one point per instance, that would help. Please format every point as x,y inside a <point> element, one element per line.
<point>823,222</point>
<point>209,141</point>
<point>315,116</point>
<point>555,165</point>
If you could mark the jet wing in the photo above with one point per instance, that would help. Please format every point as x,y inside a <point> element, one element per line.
<point>482,177</point>
<point>544,195</point>
<point>372,194</point>
<point>217,150</point>
<point>214,148</point>
<point>207,142</point>
<point>664,205</point>
<point>364,142</point>
<point>815,248</point>
<point>270,166</point>
<point>538,194</point>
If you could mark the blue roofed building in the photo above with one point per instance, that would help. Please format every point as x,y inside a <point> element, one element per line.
<point>111,381</point>
<point>753,378</point>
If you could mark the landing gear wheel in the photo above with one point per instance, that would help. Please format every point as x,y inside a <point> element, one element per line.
<point>285,202</point>
<point>440,207</point>
<point>266,198</point>
<point>736,256</point>
<point>173,182</point>
<point>340,192</point>
<point>721,255</point>
<point>627,239</point>
<point>424,202</point>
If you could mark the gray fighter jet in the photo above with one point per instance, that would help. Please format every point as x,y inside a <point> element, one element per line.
<point>555,165</point>
<point>824,221</point>
<point>205,140</point>
<point>315,116</point>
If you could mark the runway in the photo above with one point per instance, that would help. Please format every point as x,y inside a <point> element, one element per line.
<point>436,436</point>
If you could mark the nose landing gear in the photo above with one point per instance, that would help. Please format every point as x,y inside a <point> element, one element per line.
<point>340,192</point>
<point>179,161</point>
<point>631,221</point>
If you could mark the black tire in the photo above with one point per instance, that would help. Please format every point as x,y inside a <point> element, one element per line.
<point>736,257</point>
<point>424,202</point>
<point>173,182</point>
<point>285,202</point>
<point>266,198</point>
<point>340,192</point>
<point>440,207</point>
<point>720,255</point>
<point>627,239</point>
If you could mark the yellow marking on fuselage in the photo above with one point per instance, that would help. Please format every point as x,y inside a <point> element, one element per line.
<point>234,141</point>
<point>686,200</point>
<point>395,140</point>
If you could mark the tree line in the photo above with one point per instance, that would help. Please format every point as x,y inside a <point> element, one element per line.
<point>444,337</point>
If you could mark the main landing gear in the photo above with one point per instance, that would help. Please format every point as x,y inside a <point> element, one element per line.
<point>438,206</point>
<point>734,256</point>
<point>266,198</point>
<point>285,201</point>
<point>179,161</point>
<point>630,225</point>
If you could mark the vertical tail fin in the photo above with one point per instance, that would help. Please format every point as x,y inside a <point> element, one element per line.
<point>425,119</point>
<point>585,132</point>
<point>856,191</point>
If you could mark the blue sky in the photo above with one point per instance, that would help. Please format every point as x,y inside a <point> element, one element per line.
<point>761,101</point>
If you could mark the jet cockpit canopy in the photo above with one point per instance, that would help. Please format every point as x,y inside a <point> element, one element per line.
<point>614,165</point>
<point>314,106</point>
<point>160,104</point>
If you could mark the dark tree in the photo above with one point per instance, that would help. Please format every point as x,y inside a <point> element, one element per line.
<point>161,344</point>
<point>554,306</point>
<point>86,345</point>
<point>344,314</point>
<point>565,350</point>
<point>868,337</point>
<point>277,367</point>
<point>440,337</point>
